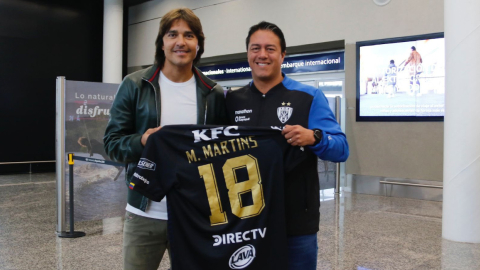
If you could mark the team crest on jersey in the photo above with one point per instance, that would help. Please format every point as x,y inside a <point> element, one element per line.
<point>285,112</point>
<point>242,258</point>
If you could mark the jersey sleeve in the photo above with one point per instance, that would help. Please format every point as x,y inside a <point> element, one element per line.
<point>154,175</point>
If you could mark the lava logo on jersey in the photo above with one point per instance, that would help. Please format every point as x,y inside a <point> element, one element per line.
<point>146,164</point>
<point>242,258</point>
<point>284,113</point>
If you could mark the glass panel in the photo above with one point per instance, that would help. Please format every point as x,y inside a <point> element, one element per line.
<point>326,86</point>
<point>327,169</point>
<point>87,111</point>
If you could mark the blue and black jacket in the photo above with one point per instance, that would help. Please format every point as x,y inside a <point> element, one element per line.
<point>294,103</point>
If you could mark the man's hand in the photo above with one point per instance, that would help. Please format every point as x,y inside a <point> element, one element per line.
<point>147,133</point>
<point>298,136</point>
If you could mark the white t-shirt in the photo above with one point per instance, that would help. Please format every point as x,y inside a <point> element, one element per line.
<point>179,106</point>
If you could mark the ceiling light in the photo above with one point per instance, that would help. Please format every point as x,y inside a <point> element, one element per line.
<point>381,2</point>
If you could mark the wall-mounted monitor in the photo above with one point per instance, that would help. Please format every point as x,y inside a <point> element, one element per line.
<point>401,79</point>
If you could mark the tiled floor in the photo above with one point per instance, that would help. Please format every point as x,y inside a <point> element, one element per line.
<point>356,232</point>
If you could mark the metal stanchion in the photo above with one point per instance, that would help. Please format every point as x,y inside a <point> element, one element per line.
<point>337,171</point>
<point>60,153</point>
<point>72,233</point>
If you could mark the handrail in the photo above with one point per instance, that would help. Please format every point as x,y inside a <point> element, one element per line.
<point>409,184</point>
<point>27,162</point>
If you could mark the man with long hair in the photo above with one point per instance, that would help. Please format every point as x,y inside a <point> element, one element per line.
<point>172,91</point>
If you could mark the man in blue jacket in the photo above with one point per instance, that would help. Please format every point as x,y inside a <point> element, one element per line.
<point>302,112</point>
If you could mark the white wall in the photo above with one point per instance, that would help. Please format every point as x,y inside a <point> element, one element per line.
<point>406,150</point>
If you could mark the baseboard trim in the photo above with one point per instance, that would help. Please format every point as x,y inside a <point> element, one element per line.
<point>366,184</point>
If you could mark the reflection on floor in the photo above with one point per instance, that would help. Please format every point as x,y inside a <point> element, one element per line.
<point>356,232</point>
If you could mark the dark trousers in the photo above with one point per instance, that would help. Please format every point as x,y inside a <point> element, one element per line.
<point>144,242</point>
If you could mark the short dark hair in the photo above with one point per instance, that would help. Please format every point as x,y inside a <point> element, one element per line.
<point>168,19</point>
<point>270,27</point>
<point>392,62</point>
<point>413,48</point>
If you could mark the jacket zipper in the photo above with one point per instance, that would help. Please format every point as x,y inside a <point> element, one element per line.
<point>145,200</point>
<point>262,105</point>
<point>205,118</point>
<point>156,99</point>
<point>206,107</point>
<point>306,193</point>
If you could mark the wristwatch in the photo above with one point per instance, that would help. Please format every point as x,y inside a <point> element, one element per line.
<point>317,134</point>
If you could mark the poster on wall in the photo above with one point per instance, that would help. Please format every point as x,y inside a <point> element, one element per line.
<point>401,79</point>
<point>97,179</point>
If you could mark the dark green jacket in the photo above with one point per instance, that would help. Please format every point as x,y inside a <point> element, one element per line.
<point>136,108</point>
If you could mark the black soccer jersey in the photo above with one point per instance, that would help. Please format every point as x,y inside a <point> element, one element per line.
<point>224,186</point>
<point>293,103</point>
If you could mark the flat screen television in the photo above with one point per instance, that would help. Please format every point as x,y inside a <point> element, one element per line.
<point>401,79</point>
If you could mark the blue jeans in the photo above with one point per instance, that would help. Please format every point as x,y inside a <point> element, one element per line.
<point>302,252</point>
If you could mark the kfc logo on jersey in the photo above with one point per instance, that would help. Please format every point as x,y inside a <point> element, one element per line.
<point>203,135</point>
<point>284,113</point>
<point>242,258</point>
<point>146,164</point>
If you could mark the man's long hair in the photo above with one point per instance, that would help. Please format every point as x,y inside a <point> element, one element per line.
<point>166,23</point>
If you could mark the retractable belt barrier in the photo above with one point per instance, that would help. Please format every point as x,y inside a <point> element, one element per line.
<point>72,233</point>
<point>99,161</point>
